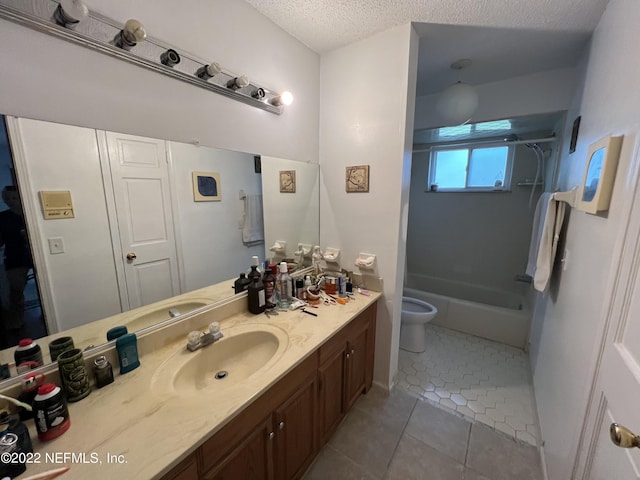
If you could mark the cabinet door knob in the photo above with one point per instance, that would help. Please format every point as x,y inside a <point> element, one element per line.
<point>353,351</point>
<point>281,425</point>
<point>348,355</point>
<point>271,435</point>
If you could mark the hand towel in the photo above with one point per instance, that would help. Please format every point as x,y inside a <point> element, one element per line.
<point>548,220</point>
<point>253,227</point>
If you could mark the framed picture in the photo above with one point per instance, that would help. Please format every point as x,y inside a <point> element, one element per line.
<point>357,179</point>
<point>287,181</point>
<point>595,191</point>
<point>206,187</point>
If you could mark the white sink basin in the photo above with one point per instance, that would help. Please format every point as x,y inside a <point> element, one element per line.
<point>244,351</point>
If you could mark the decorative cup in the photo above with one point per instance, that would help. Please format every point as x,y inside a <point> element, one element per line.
<point>73,375</point>
<point>60,345</point>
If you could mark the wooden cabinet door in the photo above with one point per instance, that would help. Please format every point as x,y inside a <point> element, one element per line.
<point>186,470</point>
<point>330,394</point>
<point>252,460</point>
<point>294,428</point>
<point>356,363</point>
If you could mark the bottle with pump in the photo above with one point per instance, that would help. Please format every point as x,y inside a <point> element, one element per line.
<point>256,295</point>
<point>283,286</point>
<point>269,282</point>
<point>255,271</point>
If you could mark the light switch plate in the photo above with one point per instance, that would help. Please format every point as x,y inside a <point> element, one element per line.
<point>56,245</point>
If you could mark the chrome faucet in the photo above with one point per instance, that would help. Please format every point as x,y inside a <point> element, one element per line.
<point>196,339</point>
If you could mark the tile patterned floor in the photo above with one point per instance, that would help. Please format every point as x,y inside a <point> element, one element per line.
<point>486,381</point>
<point>399,436</point>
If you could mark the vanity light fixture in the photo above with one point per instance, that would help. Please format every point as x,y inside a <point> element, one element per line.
<point>59,18</point>
<point>170,58</point>
<point>131,34</point>
<point>209,71</point>
<point>285,98</point>
<point>258,94</point>
<point>70,12</point>
<point>238,82</point>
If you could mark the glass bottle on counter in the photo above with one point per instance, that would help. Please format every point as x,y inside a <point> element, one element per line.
<point>255,271</point>
<point>283,286</point>
<point>269,282</point>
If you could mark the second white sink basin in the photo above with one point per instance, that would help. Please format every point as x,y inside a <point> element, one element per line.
<point>244,351</point>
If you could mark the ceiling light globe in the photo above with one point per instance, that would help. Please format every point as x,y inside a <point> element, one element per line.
<point>457,103</point>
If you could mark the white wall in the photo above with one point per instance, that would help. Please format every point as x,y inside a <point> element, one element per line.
<point>209,232</point>
<point>290,217</point>
<point>363,119</point>
<point>541,92</point>
<point>46,78</point>
<point>568,339</point>
<point>82,280</point>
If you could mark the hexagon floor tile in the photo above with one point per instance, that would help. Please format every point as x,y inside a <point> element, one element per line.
<point>484,380</point>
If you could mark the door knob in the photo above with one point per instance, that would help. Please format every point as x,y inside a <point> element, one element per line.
<point>622,437</point>
<point>131,256</point>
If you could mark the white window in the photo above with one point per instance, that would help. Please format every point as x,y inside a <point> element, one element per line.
<point>486,168</point>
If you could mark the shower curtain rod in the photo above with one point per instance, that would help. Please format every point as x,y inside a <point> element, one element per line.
<point>497,141</point>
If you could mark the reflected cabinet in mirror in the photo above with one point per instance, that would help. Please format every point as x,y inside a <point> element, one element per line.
<point>121,234</point>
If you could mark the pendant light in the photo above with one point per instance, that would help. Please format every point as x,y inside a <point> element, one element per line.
<point>458,102</point>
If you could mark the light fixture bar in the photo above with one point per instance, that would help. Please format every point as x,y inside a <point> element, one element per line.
<point>96,33</point>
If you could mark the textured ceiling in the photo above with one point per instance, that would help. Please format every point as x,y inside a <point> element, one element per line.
<point>326,24</point>
<point>503,38</point>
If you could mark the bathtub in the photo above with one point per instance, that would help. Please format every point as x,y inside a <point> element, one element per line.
<point>507,323</point>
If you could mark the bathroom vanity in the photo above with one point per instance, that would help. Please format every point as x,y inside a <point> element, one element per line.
<point>164,421</point>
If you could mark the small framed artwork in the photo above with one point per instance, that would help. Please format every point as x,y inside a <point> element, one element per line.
<point>357,179</point>
<point>599,174</point>
<point>287,181</point>
<point>206,187</point>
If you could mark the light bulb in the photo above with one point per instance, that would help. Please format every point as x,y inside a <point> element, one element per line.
<point>238,82</point>
<point>132,33</point>
<point>285,98</point>
<point>70,12</point>
<point>209,71</point>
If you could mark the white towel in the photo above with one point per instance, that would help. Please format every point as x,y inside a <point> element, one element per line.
<point>547,223</point>
<point>253,227</point>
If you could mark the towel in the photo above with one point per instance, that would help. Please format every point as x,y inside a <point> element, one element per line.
<point>547,223</point>
<point>253,227</point>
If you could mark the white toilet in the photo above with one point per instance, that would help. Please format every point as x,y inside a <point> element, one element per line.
<point>415,315</point>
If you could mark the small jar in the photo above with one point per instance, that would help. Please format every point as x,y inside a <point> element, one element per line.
<point>103,371</point>
<point>330,285</point>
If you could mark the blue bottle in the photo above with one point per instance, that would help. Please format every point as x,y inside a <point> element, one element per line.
<point>127,346</point>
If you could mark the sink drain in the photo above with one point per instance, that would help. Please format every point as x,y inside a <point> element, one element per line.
<point>221,374</point>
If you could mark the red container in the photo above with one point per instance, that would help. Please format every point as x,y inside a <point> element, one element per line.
<point>50,412</point>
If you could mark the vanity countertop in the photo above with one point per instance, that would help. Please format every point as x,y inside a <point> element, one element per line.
<point>145,433</point>
<point>95,333</point>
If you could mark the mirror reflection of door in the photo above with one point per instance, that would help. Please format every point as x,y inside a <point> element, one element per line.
<point>21,313</point>
<point>143,208</point>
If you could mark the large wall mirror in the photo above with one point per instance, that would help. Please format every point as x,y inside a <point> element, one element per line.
<point>132,229</point>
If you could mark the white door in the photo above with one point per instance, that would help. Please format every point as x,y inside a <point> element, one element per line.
<point>142,199</point>
<point>615,396</point>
